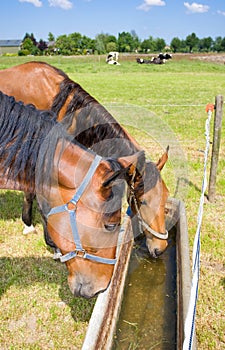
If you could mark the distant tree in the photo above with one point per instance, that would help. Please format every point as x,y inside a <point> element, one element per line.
<point>29,47</point>
<point>223,44</point>
<point>75,43</point>
<point>217,44</point>
<point>27,44</point>
<point>205,44</point>
<point>101,41</point>
<point>42,46</point>
<point>145,45</point>
<point>111,46</point>
<point>87,44</point>
<point>69,44</point>
<point>192,41</point>
<point>160,44</point>
<point>136,41</point>
<point>51,37</point>
<point>30,36</point>
<point>111,43</point>
<point>126,42</point>
<point>175,44</point>
<point>100,44</point>
<point>63,45</point>
<point>152,44</point>
<point>110,39</point>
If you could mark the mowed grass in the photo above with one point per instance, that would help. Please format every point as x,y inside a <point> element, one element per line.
<point>37,308</point>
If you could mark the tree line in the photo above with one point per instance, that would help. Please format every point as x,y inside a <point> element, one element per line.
<point>78,44</point>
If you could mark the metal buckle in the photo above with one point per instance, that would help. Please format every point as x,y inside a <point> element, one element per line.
<point>71,206</point>
<point>80,253</point>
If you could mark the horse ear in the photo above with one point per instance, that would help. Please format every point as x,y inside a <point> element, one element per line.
<point>135,167</point>
<point>135,162</point>
<point>132,166</point>
<point>162,161</point>
<point>119,174</point>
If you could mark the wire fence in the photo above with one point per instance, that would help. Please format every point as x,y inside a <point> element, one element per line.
<point>189,327</point>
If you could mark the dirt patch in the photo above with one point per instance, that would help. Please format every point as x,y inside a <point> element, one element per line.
<point>210,57</point>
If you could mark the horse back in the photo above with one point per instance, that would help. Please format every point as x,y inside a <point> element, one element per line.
<point>32,82</point>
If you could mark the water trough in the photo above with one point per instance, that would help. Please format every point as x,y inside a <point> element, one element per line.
<point>146,304</point>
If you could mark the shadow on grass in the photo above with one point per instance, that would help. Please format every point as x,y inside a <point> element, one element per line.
<point>11,203</point>
<point>24,272</point>
<point>186,183</point>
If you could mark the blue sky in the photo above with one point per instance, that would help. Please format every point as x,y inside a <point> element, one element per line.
<point>159,18</point>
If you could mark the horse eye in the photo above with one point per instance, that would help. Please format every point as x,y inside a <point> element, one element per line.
<point>143,202</point>
<point>166,211</point>
<point>111,227</point>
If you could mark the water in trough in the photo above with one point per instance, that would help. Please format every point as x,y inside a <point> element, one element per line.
<point>148,314</point>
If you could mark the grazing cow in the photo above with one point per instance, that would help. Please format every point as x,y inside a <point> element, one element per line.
<point>165,56</point>
<point>113,57</point>
<point>154,60</point>
<point>160,59</point>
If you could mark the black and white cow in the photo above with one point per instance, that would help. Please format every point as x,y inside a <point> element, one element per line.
<point>112,57</point>
<point>160,59</point>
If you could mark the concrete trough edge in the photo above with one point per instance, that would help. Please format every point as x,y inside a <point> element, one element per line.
<point>102,324</point>
<point>103,320</point>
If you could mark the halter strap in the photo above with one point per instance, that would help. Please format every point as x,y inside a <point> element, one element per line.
<point>79,251</point>
<point>141,222</point>
<point>80,189</point>
<point>153,232</point>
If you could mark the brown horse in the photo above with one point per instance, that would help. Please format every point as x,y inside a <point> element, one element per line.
<point>79,192</point>
<point>92,125</point>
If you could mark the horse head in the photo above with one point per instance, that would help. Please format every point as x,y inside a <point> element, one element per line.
<point>84,214</point>
<point>147,201</point>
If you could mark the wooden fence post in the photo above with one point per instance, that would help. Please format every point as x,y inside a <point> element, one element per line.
<point>215,147</point>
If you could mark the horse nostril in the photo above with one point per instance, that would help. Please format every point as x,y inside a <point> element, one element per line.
<point>157,252</point>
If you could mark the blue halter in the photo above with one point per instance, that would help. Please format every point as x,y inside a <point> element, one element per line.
<point>80,251</point>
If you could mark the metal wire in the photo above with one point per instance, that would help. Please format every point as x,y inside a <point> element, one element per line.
<point>189,326</point>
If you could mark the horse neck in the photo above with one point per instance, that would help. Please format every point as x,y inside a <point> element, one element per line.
<point>94,127</point>
<point>72,164</point>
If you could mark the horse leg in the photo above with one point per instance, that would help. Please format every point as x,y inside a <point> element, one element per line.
<point>27,213</point>
<point>56,251</point>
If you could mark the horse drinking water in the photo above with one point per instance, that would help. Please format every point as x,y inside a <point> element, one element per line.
<point>79,192</point>
<point>92,125</point>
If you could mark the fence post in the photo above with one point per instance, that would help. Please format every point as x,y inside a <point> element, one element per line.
<point>215,147</point>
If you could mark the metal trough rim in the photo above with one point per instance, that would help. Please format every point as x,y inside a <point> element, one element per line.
<point>102,324</point>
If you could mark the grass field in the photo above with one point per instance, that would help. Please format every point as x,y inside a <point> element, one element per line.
<point>37,310</point>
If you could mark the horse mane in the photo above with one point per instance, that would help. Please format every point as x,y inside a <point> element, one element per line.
<point>95,126</point>
<point>24,132</point>
<point>94,123</point>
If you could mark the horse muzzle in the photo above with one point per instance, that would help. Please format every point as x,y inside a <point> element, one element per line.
<point>156,247</point>
<point>85,289</point>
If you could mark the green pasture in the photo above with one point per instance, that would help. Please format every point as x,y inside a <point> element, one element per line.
<point>37,310</point>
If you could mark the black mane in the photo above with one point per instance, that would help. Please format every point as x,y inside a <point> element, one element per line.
<point>95,127</point>
<point>24,131</point>
<point>94,123</point>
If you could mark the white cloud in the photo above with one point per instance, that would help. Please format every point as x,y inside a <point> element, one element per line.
<point>36,3</point>
<point>196,8</point>
<point>221,12</point>
<point>147,4</point>
<point>64,4</point>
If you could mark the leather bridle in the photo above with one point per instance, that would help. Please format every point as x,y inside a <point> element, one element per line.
<point>141,221</point>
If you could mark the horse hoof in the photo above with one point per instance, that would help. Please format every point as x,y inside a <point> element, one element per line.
<point>28,229</point>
